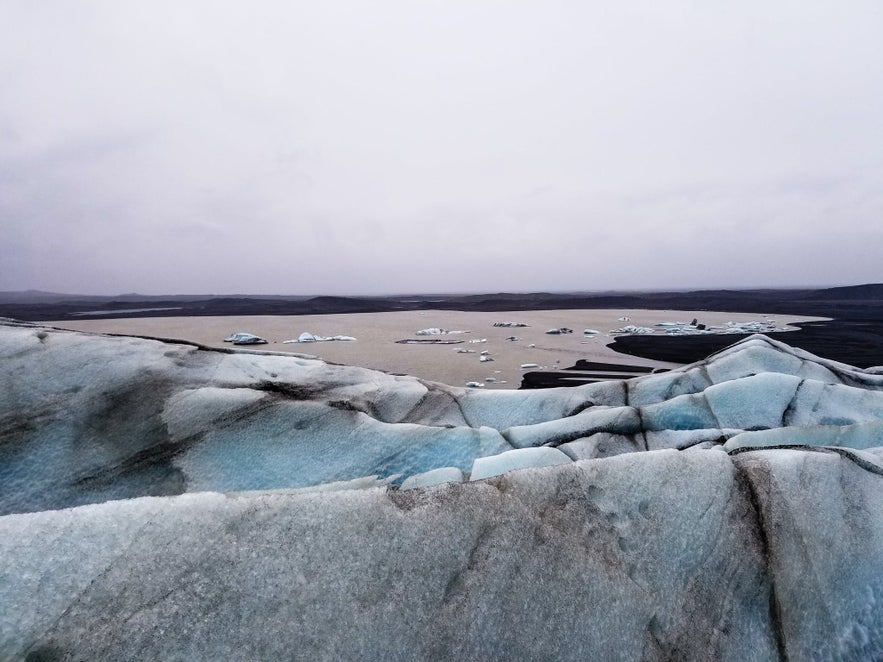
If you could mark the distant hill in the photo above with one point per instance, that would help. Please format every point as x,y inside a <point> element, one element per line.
<point>870,291</point>
<point>828,302</point>
<point>38,296</point>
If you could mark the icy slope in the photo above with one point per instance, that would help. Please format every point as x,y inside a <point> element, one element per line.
<point>728,510</point>
<point>764,555</point>
<point>88,418</point>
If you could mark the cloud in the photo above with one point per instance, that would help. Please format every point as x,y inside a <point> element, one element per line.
<point>344,147</point>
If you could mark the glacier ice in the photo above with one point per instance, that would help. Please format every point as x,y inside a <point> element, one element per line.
<point>90,418</point>
<point>161,500</point>
<point>521,458</point>
<point>659,555</point>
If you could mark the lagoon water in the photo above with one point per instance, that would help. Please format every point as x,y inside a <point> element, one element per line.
<point>377,333</point>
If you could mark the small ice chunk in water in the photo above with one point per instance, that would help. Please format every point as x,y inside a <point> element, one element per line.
<point>242,338</point>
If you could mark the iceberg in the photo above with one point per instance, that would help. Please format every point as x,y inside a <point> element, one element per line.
<point>307,337</point>
<point>632,329</point>
<point>160,500</point>
<point>435,331</point>
<point>242,338</point>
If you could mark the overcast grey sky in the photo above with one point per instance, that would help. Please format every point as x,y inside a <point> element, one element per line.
<point>406,146</point>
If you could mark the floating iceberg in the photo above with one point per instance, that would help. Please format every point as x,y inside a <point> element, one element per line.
<point>632,329</point>
<point>730,509</point>
<point>307,337</point>
<point>242,338</point>
<point>435,331</point>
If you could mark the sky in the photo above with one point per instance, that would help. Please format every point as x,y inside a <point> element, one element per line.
<point>439,146</point>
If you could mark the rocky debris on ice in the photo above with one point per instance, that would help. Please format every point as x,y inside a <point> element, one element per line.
<point>511,324</point>
<point>242,338</point>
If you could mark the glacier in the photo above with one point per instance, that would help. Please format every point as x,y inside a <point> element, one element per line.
<point>164,500</point>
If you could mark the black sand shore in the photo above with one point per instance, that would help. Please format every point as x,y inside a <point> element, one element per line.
<point>854,334</point>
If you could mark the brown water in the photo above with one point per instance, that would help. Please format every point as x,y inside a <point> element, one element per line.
<point>377,334</point>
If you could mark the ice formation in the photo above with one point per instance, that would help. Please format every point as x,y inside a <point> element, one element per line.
<point>307,337</point>
<point>435,331</point>
<point>631,329</point>
<point>243,338</point>
<point>731,509</point>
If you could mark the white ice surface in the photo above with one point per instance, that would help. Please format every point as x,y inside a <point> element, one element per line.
<point>89,418</point>
<point>639,556</point>
<point>521,458</point>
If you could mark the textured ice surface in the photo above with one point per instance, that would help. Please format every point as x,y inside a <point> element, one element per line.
<point>662,555</point>
<point>87,418</point>
<point>521,458</point>
<point>726,510</point>
<point>434,477</point>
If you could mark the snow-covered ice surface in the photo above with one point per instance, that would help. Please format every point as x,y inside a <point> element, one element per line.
<point>731,509</point>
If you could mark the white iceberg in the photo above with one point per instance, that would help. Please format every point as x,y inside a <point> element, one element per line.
<point>307,337</point>
<point>633,329</point>
<point>436,331</point>
<point>242,338</point>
